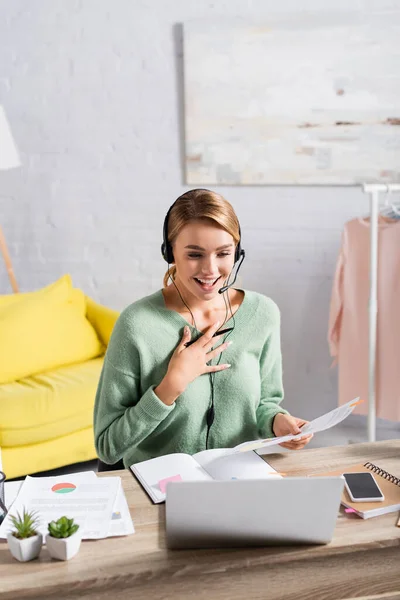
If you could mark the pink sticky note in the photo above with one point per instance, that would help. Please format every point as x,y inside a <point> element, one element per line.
<point>349,510</point>
<point>163,482</point>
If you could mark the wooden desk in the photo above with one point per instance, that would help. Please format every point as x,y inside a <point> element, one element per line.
<point>362,561</point>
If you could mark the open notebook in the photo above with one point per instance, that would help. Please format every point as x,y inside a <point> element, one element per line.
<point>389,484</point>
<point>156,473</point>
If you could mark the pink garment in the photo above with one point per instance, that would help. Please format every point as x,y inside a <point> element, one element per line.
<point>348,319</point>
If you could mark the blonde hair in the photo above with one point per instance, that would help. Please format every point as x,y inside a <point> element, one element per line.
<point>200,204</point>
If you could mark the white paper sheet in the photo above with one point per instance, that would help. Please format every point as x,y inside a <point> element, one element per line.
<point>326,421</point>
<point>121,521</point>
<point>84,497</point>
<point>11,488</point>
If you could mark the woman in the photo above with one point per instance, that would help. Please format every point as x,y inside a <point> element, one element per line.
<point>164,387</point>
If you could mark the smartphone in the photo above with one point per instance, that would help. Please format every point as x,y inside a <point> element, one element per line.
<point>362,487</point>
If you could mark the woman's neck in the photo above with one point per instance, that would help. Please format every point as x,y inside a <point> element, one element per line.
<point>211,310</point>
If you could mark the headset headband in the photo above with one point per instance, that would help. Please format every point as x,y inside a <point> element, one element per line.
<point>166,247</point>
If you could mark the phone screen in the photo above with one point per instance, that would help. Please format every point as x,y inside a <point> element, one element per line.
<point>362,485</point>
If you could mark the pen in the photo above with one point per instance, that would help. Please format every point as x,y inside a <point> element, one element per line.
<point>214,335</point>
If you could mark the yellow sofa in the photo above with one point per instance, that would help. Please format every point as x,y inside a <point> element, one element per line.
<point>46,419</point>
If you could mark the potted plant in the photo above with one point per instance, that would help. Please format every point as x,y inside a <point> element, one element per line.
<point>24,541</point>
<point>64,538</point>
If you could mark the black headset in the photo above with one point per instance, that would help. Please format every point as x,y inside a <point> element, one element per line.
<point>168,255</point>
<point>166,248</point>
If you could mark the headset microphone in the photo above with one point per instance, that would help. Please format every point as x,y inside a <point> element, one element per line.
<point>226,287</point>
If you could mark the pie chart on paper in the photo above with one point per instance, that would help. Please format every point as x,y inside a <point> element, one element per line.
<point>63,488</point>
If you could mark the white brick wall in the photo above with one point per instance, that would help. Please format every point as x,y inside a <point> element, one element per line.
<point>92,89</point>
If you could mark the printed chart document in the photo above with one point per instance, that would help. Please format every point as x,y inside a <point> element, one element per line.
<point>89,500</point>
<point>121,520</point>
<point>218,464</point>
<point>12,488</point>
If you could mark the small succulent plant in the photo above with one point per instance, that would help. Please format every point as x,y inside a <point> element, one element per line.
<point>62,528</point>
<point>25,524</point>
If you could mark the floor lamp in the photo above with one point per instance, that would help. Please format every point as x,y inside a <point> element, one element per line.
<point>8,160</point>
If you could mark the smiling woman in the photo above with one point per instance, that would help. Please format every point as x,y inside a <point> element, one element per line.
<point>164,387</point>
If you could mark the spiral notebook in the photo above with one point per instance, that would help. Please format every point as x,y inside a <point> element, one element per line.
<point>389,484</point>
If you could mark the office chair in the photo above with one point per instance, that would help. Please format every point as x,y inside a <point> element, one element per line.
<point>102,466</point>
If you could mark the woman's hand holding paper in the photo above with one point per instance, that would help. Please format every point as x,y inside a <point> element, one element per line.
<point>288,425</point>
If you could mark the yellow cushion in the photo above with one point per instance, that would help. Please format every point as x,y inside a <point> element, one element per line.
<point>49,405</point>
<point>68,449</point>
<point>10,299</point>
<point>45,330</point>
<point>102,318</point>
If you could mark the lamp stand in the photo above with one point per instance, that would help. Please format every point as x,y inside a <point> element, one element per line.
<point>7,260</point>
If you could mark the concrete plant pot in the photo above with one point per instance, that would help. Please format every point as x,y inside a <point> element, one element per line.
<point>26,549</point>
<point>64,548</point>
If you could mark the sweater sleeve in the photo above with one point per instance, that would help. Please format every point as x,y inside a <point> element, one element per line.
<point>271,377</point>
<point>123,416</point>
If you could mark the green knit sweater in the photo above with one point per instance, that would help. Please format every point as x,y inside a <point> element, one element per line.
<point>130,421</point>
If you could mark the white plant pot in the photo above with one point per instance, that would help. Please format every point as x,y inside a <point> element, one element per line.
<point>27,549</point>
<point>64,548</point>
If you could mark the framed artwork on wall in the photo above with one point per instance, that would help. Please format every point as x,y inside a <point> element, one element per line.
<point>310,101</point>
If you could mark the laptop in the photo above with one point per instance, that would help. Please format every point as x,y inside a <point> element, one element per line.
<point>215,514</point>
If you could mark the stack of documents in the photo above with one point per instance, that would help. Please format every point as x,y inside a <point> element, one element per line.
<point>97,504</point>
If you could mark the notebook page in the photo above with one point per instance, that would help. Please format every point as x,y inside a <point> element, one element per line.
<point>155,470</point>
<point>223,465</point>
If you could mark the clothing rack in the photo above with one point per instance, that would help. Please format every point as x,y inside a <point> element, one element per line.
<point>374,189</point>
